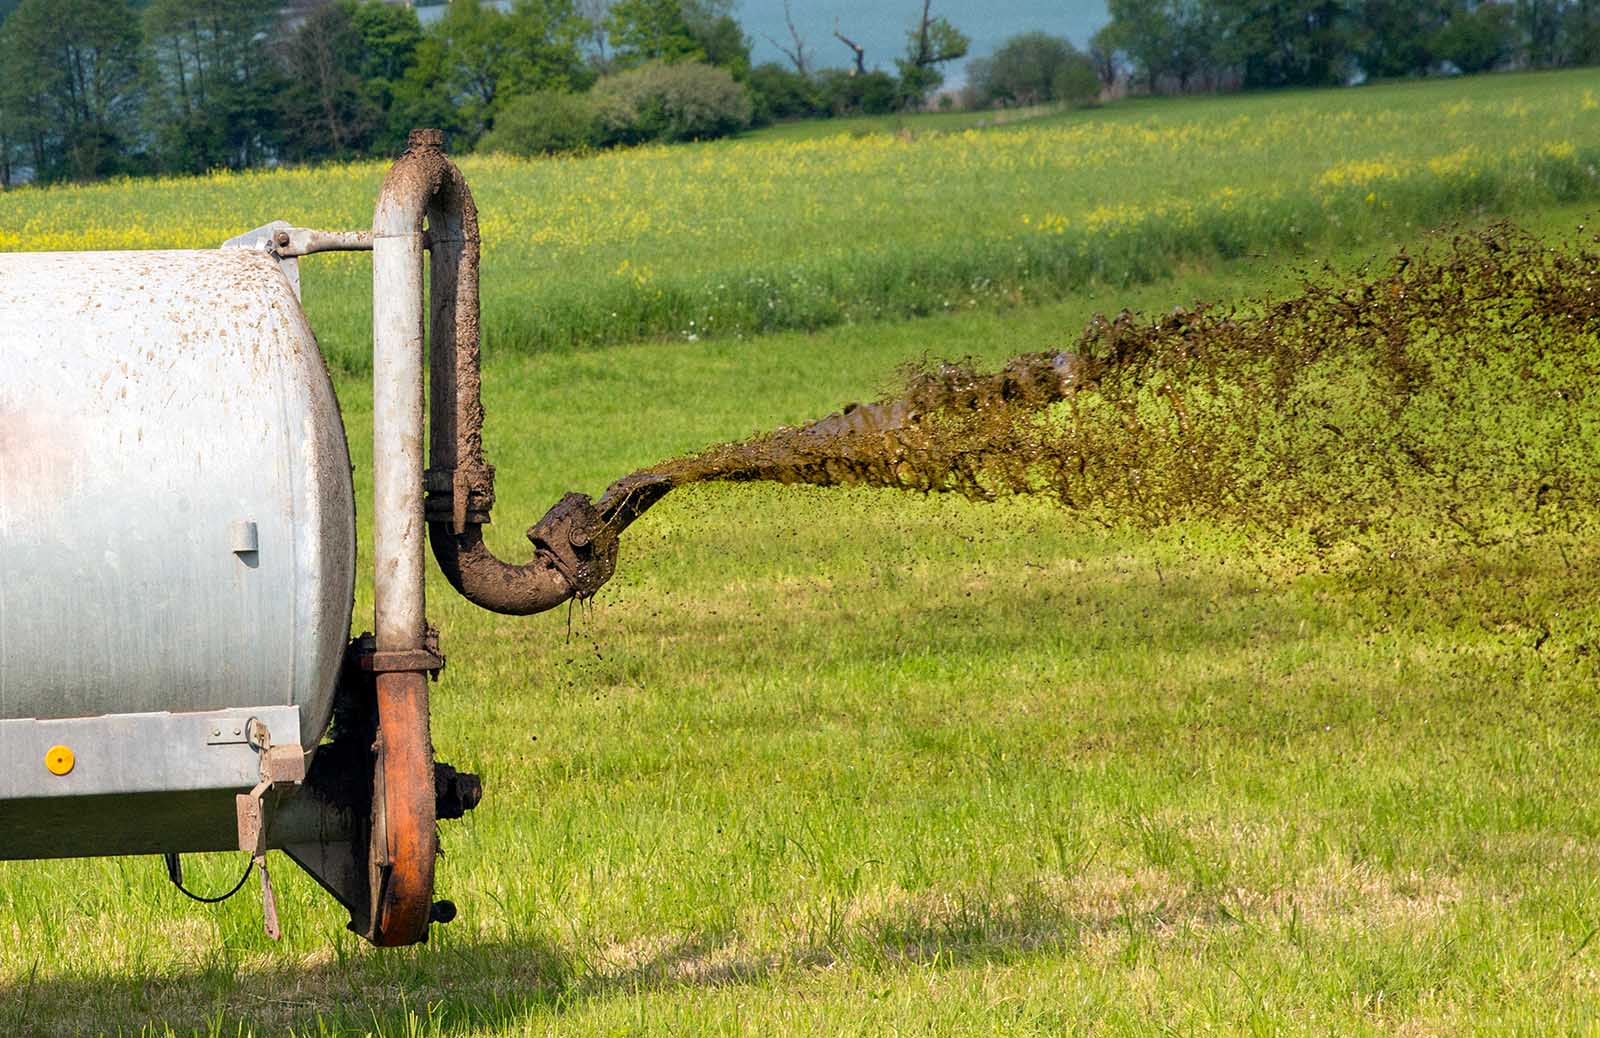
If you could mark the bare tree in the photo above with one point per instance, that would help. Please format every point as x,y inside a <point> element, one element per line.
<point>936,40</point>
<point>933,42</point>
<point>861,55</point>
<point>1103,55</point>
<point>594,13</point>
<point>797,54</point>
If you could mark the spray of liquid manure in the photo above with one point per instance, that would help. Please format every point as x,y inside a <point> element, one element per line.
<point>1443,392</point>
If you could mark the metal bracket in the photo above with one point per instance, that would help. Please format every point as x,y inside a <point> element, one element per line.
<point>418,660</point>
<point>286,243</point>
<point>459,496</point>
<point>283,764</point>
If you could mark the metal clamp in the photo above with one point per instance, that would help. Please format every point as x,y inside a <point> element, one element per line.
<point>417,660</point>
<point>425,660</point>
<point>287,244</point>
<point>459,496</point>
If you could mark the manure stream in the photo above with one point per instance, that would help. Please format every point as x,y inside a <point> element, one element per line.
<point>1445,388</point>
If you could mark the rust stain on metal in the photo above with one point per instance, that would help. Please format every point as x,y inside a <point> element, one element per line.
<point>402,867</point>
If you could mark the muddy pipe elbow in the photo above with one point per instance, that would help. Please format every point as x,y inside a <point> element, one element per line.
<point>426,216</point>
<point>491,583</point>
<point>574,554</point>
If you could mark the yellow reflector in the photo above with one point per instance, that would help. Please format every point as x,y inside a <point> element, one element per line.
<point>58,759</point>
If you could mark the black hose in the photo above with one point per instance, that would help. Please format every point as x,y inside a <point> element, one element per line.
<point>173,874</point>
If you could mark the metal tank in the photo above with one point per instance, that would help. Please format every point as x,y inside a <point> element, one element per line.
<point>176,508</point>
<point>177,554</point>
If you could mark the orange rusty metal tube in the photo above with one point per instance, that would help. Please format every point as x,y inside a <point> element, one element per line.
<point>406,844</point>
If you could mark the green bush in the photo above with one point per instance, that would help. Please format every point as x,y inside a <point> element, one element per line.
<point>1076,83</point>
<point>875,93</point>
<point>683,101</point>
<point>545,122</point>
<point>779,93</point>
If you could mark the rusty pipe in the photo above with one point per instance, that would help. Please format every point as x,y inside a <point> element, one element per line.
<point>424,185</point>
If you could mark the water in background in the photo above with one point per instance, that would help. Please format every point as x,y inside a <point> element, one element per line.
<point>881,27</point>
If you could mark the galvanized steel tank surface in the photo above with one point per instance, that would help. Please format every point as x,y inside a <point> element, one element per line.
<point>153,405</point>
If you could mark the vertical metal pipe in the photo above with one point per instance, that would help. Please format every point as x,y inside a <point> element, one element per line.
<point>399,533</point>
<point>403,807</point>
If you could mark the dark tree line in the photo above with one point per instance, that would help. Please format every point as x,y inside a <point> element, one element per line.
<point>100,87</point>
<point>94,88</point>
<point>1186,45</point>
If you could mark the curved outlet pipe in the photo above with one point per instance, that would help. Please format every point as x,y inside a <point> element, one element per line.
<point>425,204</point>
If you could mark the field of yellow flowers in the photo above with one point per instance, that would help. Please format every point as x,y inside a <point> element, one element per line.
<point>744,237</point>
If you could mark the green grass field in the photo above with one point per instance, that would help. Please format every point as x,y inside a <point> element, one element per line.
<point>858,762</point>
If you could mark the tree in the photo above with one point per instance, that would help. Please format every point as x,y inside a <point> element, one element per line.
<point>1076,83</point>
<point>722,43</point>
<point>209,100</point>
<point>780,93</point>
<point>686,100</point>
<point>484,57</point>
<point>545,122</point>
<point>391,47</point>
<point>423,97</point>
<point>1540,23</point>
<point>26,135</point>
<point>930,43</point>
<point>718,35</point>
<point>846,93</point>
<point>1031,68</point>
<point>390,35</point>
<point>324,110</point>
<point>856,51</point>
<point>651,30</point>
<point>1277,43</point>
<point>1476,40</point>
<point>796,51</point>
<point>73,85</point>
<point>10,123</point>
<point>1580,33</point>
<point>594,14</point>
<point>1103,55</point>
<point>1397,37</point>
<point>1171,44</point>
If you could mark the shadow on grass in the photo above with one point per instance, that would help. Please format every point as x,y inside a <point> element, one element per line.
<point>485,984</point>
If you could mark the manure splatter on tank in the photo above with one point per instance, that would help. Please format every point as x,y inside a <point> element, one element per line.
<point>1445,388</point>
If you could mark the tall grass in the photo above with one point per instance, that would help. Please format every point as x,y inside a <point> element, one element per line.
<point>747,237</point>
